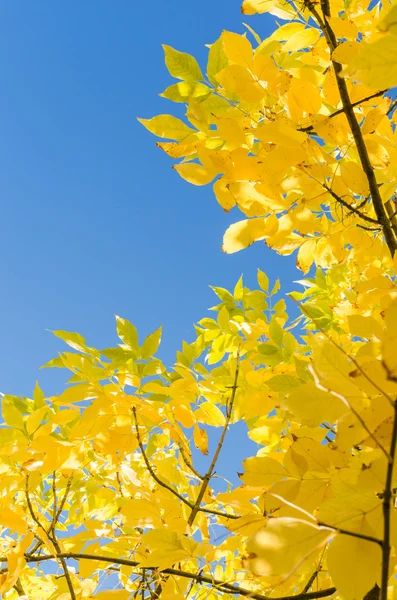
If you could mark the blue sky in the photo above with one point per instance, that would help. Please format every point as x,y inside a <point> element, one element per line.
<point>94,220</point>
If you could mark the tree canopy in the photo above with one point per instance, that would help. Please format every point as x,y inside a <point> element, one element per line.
<point>101,492</point>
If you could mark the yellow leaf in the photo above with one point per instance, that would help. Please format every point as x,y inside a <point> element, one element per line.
<point>262,470</point>
<point>346,52</point>
<point>375,64</point>
<point>210,414</point>
<point>35,419</point>
<point>354,178</point>
<point>200,438</point>
<point>216,60</point>
<point>343,28</point>
<point>283,546</point>
<point>140,512</point>
<point>167,126</point>
<point>239,80</point>
<point>237,49</point>
<point>305,96</point>
<point>223,195</point>
<point>15,563</point>
<point>248,524</point>
<point>365,327</point>
<point>168,547</point>
<point>182,65</point>
<point>10,519</point>
<point>305,257</point>
<point>11,415</point>
<point>252,7</point>
<point>196,174</point>
<point>313,406</point>
<point>244,233</point>
<point>303,39</point>
<point>354,565</point>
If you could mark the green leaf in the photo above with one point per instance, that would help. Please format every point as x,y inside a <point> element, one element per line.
<point>216,60</point>
<point>127,332</point>
<point>167,126</point>
<point>267,349</point>
<point>184,90</point>
<point>181,65</point>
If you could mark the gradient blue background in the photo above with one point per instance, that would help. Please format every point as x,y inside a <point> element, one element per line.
<point>94,220</point>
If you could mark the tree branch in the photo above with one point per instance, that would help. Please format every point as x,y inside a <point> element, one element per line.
<point>53,539</point>
<point>351,208</point>
<point>340,111</point>
<point>382,217</point>
<point>361,536</point>
<point>221,586</point>
<point>387,504</point>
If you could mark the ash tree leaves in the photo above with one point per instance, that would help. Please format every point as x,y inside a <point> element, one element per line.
<point>181,65</point>
<point>298,133</point>
<point>113,457</point>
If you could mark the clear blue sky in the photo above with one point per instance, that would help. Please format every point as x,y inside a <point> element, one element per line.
<point>94,220</point>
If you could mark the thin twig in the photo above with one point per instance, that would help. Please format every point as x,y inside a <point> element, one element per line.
<point>188,462</point>
<point>361,536</point>
<point>53,539</point>
<point>340,111</point>
<point>209,473</point>
<point>165,485</point>
<point>392,107</point>
<point>149,467</point>
<point>351,208</point>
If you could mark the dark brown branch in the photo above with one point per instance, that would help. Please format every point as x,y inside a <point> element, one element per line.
<point>64,498</point>
<point>351,208</point>
<point>221,586</point>
<point>369,228</point>
<point>210,472</point>
<point>361,536</point>
<point>340,111</point>
<point>18,587</point>
<point>387,505</point>
<point>381,215</point>
<point>392,216</point>
<point>392,107</point>
<point>311,580</point>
